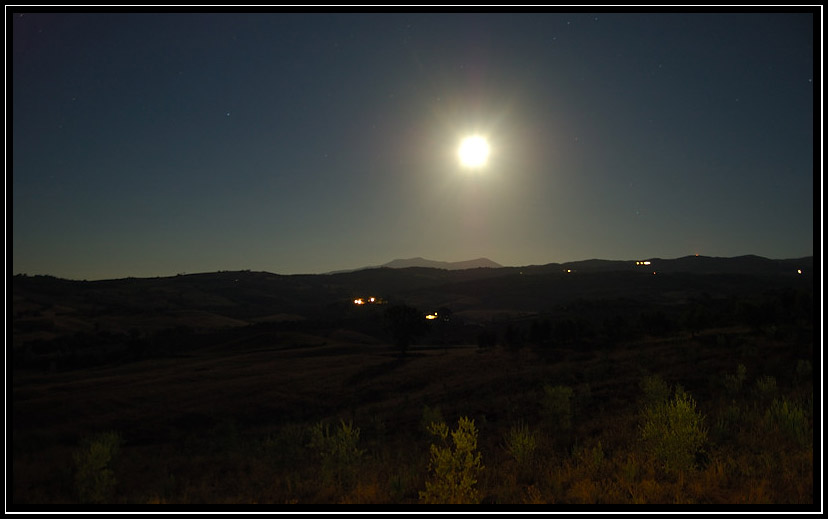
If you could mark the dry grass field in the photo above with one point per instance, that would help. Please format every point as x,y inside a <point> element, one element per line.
<point>199,428</point>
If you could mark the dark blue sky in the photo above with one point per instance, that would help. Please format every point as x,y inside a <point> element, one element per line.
<point>154,144</point>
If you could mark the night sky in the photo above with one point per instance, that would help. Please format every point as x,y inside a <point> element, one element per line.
<point>156,144</point>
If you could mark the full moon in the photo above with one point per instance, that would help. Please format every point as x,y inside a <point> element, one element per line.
<point>474,152</point>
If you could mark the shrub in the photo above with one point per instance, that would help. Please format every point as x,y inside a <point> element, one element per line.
<point>729,421</point>
<point>338,450</point>
<point>454,471</point>
<point>591,459</point>
<point>733,383</point>
<point>556,404</point>
<point>655,390</point>
<point>287,445</point>
<point>803,371</point>
<point>765,388</point>
<point>521,443</point>
<point>673,432</point>
<point>94,477</point>
<point>789,419</point>
<point>431,415</point>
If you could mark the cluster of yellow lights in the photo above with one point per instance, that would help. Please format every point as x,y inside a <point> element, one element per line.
<point>361,301</point>
<point>642,262</point>
<point>431,316</point>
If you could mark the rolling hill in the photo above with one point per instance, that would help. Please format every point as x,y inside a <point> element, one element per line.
<point>45,307</point>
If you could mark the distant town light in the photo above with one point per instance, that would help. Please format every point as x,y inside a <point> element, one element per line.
<point>799,271</point>
<point>431,316</point>
<point>642,262</point>
<point>373,300</point>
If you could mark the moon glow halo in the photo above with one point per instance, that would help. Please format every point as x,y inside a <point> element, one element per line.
<point>474,152</point>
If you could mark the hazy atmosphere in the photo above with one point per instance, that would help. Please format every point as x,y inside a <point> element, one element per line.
<point>155,144</point>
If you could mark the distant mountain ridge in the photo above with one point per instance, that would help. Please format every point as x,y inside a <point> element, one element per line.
<point>427,263</point>
<point>446,265</point>
<point>748,264</point>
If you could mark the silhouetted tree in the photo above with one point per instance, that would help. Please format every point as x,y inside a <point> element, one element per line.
<point>696,318</point>
<point>657,323</point>
<point>617,328</point>
<point>565,331</point>
<point>406,323</point>
<point>444,313</point>
<point>758,315</point>
<point>487,339</point>
<point>540,331</point>
<point>513,338</point>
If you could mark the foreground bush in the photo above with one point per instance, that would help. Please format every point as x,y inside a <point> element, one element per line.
<point>521,443</point>
<point>454,470</point>
<point>94,477</point>
<point>338,450</point>
<point>673,432</point>
<point>556,407</point>
<point>790,420</point>
<point>655,390</point>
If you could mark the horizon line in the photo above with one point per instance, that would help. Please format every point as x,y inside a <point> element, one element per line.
<point>384,266</point>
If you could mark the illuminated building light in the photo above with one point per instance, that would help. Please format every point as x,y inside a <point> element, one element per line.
<point>372,299</point>
<point>799,271</point>
<point>359,301</point>
<point>431,316</point>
